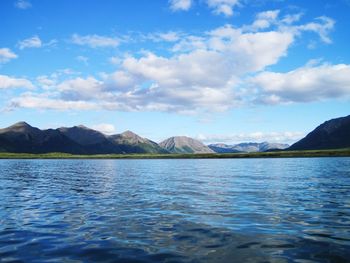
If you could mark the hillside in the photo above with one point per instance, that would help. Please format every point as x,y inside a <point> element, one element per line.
<point>131,142</point>
<point>183,144</point>
<point>23,138</point>
<point>332,134</point>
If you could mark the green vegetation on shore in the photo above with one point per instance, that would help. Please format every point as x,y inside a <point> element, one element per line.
<point>274,154</point>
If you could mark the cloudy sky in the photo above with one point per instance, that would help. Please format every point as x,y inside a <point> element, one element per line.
<point>218,70</point>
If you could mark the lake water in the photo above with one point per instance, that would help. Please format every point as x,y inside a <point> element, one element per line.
<point>216,210</point>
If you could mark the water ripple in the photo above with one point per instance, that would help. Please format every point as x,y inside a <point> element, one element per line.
<point>249,210</point>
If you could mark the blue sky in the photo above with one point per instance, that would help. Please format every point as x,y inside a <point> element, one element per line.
<point>217,70</point>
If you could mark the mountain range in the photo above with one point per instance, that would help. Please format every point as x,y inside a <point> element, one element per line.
<point>247,147</point>
<point>23,138</point>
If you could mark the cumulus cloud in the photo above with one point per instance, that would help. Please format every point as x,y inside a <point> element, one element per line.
<point>277,137</point>
<point>32,42</point>
<point>219,7</point>
<point>308,83</point>
<point>23,4</point>
<point>6,55</point>
<point>184,5</point>
<point>79,89</point>
<point>46,82</point>
<point>224,7</point>
<point>105,128</point>
<point>7,82</point>
<point>35,101</point>
<point>95,41</point>
<point>213,71</point>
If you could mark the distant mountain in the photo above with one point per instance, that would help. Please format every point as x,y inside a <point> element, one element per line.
<point>247,147</point>
<point>23,138</point>
<point>183,144</point>
<point>131,142</point>
<point>223,148</point>
<point>93,142</point>
<point>331,134</point>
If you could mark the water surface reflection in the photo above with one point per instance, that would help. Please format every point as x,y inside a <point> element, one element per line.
<point>251,210</point>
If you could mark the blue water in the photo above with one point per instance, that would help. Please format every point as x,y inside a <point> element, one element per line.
<point>224,210</point>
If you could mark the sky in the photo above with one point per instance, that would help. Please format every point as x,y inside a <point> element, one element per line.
<point>224,71</point>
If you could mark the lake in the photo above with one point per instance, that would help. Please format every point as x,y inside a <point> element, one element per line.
<point>206,210</point>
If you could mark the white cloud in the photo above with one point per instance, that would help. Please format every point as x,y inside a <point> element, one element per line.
<point>119,80</point>
<point>322,27</point>
<point>34,101</point>
<point>95,41</point>
<point>308,83</point>
<point>206,72</point>
<point>6,55</point>
<point>23,4</point>
<point>184,5</point>
<point>32,42</point>
<point>170,36</point>
<point>115,60</point>
<point>189,43</point>
<point>51,43</point>
<point>291,18</point>
<point>265,20</point>
<point>7,82</point>
<point>273,137</point>
<point>105,128</point>
<point>224,7</point>
<point>82,59</point>
<point>80,89</point>
<point>219,7</point>
<point>46,82</point>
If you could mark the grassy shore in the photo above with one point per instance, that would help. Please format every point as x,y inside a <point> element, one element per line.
<point>275,154</point>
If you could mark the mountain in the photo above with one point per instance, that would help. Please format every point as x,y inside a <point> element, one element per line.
<point>222,148</point>
<point>247,147</point>
<point>331,134</point>
<point>183,144</point>
<point>94,142</point>
<point>130,142</point>
<point>270,146</point>
<point>23,138</point>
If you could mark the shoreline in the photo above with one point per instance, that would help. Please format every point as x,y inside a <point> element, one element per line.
<point>345,152</point>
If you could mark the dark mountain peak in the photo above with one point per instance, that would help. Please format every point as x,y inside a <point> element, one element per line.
<point>21,124</point>
<point>334,124</point>
<point>20,127</point>
<point>78,127</point>
<point>83,135</point>
<point>81,126</point>
<point>331,134</point>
